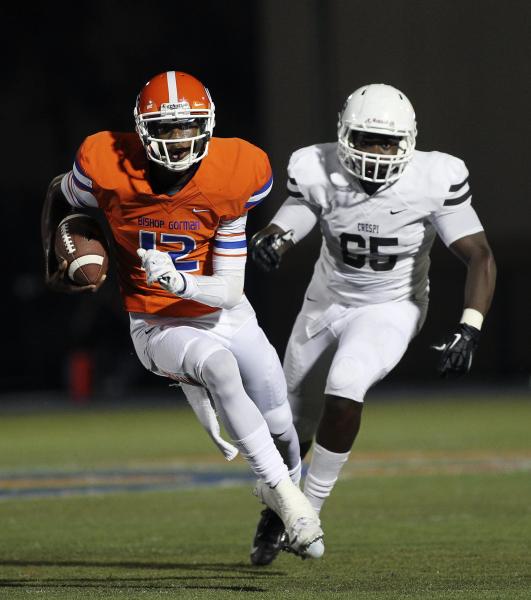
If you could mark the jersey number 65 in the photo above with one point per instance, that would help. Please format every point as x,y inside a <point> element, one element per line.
<point>377,262</point>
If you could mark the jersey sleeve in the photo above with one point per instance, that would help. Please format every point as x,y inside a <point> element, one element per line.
<point>295,216</point>
<point>263,180</point>
<point>230,245</point>
<point>304,180</point>
<point>455,217</point>
<point>78,186</point>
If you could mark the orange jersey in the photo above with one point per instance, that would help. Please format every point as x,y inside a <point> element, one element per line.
<point>111,167</point>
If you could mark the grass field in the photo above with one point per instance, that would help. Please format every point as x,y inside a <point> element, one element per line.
<point>435,503</point>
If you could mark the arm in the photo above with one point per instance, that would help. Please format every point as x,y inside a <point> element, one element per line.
<point>293,221</point>
<point>459,348</point>
<point>222,289</point>
<point>475,252</point>
<point>55,208</point>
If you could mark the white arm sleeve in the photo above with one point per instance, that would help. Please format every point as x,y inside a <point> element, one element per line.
<point>297,216</point>
<point>223,289</point>
<point>77,189</point>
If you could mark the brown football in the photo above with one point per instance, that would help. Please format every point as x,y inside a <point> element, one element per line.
<point>80,241</point>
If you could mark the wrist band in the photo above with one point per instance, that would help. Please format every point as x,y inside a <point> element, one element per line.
<point>472,317</point>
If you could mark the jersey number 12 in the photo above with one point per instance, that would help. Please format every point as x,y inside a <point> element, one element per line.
<point>148,241</point>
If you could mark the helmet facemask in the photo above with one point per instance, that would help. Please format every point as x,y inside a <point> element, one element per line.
<point>176,128</point>
<point>370,166</point>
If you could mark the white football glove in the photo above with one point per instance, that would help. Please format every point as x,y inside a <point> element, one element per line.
<point>159,268</point>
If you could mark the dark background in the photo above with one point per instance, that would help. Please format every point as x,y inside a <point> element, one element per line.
<point>278,72</point>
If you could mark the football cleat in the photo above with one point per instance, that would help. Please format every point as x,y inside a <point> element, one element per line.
<point>314,550</point>
<point>267,540</point>
<point>303,530</point>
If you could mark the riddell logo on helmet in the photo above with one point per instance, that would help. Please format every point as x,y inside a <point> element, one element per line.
<point>380,122</point>
<point>176,106</point>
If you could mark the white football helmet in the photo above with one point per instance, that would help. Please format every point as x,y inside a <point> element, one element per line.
<point>380,109</point>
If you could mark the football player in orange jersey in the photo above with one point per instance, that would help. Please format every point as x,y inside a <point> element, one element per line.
<point>176,201</point>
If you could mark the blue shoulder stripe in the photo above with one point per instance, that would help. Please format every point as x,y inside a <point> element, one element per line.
<point>268,184</point>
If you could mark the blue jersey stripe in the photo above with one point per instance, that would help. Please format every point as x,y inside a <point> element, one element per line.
<point>252,203</point>
<point>78,167</point>
<point>230,245</point>
<point>80,184</point>
<point>264,188</point>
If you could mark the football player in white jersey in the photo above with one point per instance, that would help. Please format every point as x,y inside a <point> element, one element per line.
<point>379,204</point>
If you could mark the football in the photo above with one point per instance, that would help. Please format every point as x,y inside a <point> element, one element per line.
<point>80,241</point>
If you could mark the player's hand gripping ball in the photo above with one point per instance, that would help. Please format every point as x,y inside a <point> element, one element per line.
<point>80,241</point>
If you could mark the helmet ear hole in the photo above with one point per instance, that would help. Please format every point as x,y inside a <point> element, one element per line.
<point>402,146</point>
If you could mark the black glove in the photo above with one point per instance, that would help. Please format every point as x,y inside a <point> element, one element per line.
<point>457,350</point>
<point>266,250</point>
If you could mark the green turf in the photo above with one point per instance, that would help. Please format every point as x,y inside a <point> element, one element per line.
<point>415,535</point>
<point>89,438</point>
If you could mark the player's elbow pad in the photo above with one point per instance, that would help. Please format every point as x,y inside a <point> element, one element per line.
<point>219,291</point>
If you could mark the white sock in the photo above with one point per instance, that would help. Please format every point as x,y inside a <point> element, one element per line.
<point>322,475</point>
<point>260,452</point>
<point>295,473</point>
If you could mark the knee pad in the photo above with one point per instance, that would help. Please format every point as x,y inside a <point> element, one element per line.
<point>278,419</point>
<point>219,371</point>
<point>197,353</point>
<point>348,379</point>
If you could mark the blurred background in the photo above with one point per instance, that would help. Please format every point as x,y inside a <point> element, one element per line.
<point>278,72</point>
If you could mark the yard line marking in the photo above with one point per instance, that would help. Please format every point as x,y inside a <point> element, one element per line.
<point>95,482</point>
<point>60,483</point>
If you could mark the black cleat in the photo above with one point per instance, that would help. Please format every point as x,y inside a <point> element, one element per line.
<point>267,539</point>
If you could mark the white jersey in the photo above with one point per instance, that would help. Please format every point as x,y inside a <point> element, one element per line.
<point>376,248</point>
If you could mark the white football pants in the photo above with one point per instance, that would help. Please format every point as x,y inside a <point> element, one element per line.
<point>343,351</point>
<point>178,348</point>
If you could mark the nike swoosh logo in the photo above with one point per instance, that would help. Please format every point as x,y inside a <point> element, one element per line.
<point>395,212</point>
<point>311,299</point>
<point>146,331</point>
<point>196,210</point>
<point>443,347</point>
<point>457,337</point>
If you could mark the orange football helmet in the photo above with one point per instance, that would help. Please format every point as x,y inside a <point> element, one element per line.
<point>174,117</point>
